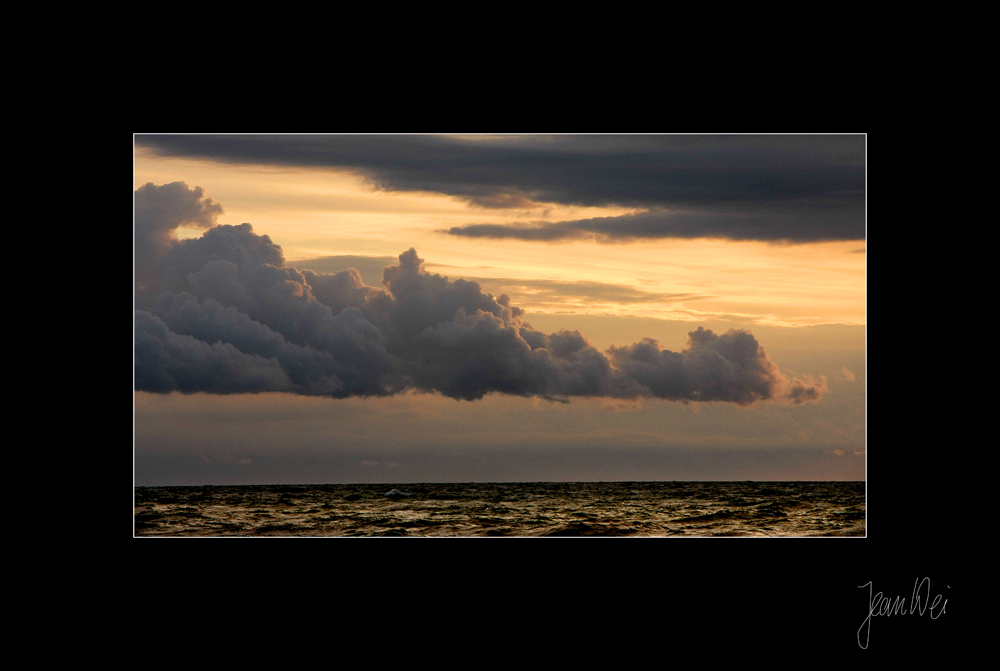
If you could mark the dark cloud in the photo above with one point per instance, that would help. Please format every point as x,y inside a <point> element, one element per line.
<point>159,211</point>
<point>832,217</point>
<point>806,389</point>
<point>800,188</point>
<point>224,314</point>
<point>370,267</point>
<point>166,361</point>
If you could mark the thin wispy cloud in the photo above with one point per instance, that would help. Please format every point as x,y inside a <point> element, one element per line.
<point>536,293</point>
<point>554,290</point>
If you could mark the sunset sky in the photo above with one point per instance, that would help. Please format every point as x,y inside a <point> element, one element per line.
<point>260,360</point>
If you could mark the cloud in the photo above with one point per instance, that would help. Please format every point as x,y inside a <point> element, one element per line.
<point>830,217</point>
<point>159,211</point>
<point>730,367</point>
<point>538,292</point>
<point>223,314</point>
<point>800,188</point>
<point>370,267</point>
<point>556,293</point>
<point>166,361</point>
<point>848,373</point>
<point>806,389</point>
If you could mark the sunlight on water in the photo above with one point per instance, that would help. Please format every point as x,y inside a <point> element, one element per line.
<point>506,509</point>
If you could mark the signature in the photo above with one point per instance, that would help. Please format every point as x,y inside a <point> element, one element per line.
<point>920,603</point>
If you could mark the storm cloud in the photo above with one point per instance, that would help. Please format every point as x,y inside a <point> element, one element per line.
<point>795,188</point>
<point>224,314</point>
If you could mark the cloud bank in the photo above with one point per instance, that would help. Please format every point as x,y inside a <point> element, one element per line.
<point>795,188</point>
<point>818,219</point>
<point>223,314</point>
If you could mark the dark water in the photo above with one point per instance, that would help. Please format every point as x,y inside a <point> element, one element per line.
<point>506,509</point>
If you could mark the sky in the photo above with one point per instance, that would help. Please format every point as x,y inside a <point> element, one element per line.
<point>418,308</point>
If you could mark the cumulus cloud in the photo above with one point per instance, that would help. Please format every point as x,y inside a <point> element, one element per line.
<point>159,211</point>
<point>166,361</point>
<point>223,313</point>
<point>730,367</point>
<point>799,188</point>
<point>806,389</point>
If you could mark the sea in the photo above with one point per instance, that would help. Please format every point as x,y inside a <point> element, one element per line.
<point>512,509</point>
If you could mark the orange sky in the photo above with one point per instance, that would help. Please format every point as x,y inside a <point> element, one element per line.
<point>320,212</point>
<point>806,303</point>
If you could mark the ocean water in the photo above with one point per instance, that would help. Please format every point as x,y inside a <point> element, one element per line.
<point>669,509</point>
